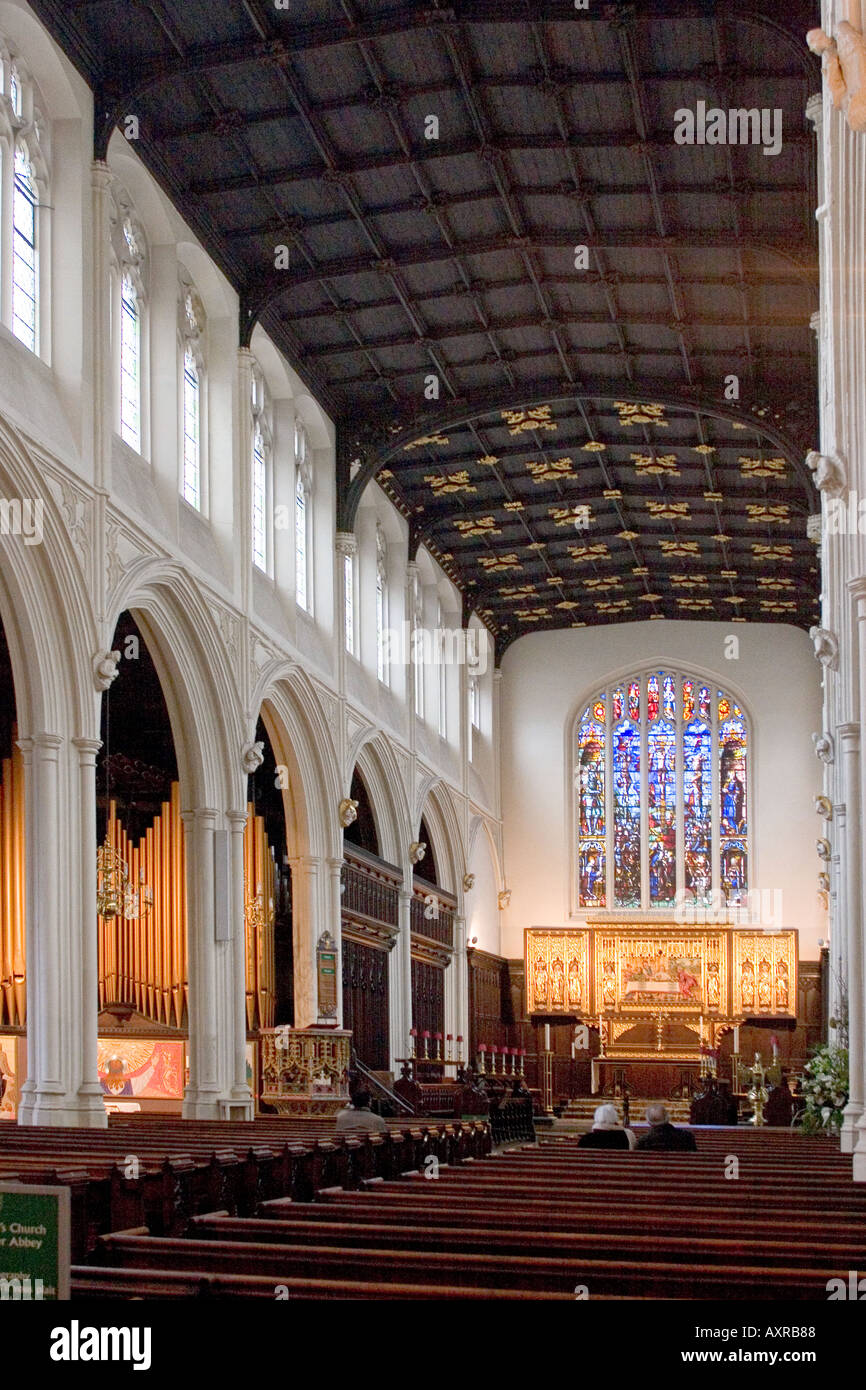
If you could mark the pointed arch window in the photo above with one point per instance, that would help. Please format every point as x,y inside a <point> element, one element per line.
<point>261,467</point>
<point>25,257</point>
<point>129,278</point>
<point>381,603</point>
<point>303,482</point>
<point>191,329</point>
<point>661,787</point>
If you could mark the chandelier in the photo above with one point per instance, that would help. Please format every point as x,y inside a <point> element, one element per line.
<point>256,915</point>
<point>116,896</point>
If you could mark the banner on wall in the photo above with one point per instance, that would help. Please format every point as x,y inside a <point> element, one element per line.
<point>141,1068</point>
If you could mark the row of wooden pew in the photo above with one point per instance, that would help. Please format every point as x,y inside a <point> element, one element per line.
<point>159,1174</point>
<point>751,1215</point>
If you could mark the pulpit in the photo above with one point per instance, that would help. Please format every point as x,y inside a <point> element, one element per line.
<point>305,1071</point>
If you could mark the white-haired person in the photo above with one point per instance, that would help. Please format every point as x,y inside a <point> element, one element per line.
<point>662,1134</point>
<point>607,1132</point>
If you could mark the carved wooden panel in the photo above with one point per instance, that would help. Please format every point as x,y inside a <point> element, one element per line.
<point>365,1001</point>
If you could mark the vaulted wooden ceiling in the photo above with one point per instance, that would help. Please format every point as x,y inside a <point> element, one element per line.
<point>449,264</point>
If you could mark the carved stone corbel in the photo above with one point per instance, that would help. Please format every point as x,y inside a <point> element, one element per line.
<point>252,757</point>
<point>347,812</point>
<point>105,669</point>
<point>844,64</point>
<point>824,807</point>
<point>826,645</point>
<point>824,849</point>
<point>829,472</point>
<point>824,747</point>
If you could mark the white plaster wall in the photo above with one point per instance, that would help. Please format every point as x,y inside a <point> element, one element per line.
<point>547,675</point>
<point>482,911</point>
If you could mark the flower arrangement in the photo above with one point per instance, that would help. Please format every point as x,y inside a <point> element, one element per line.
<point>825,1087</point>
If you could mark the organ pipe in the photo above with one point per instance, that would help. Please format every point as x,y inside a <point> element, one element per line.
<point>142,959</point>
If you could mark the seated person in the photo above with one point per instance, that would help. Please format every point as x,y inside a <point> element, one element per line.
<point>779,1109</point>
<point>607,1132</point>
<point>731,1113</point>
<point>662,1134</point>
<point>358,1117</point>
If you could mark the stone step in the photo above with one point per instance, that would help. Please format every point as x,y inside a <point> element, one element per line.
<point>583,1108</point>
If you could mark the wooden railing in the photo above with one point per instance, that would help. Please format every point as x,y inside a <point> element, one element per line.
<point>432,912</point>
<point>371,889</point>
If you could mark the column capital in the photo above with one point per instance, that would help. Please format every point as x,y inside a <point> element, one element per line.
<point>857,589</point>
<point>237,818</point>
<point>849,734</point>
<point>815,111</point>
<point>101,176</point>
<point>201,815</point>
<point>346,543</point>
<point>87,749</point>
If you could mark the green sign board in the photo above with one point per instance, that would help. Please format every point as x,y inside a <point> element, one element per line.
<point>34,1242</point>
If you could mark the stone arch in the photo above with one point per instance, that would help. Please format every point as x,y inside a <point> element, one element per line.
<point>45,609</point>
<point>381,772</point>
<point>301,741</point>
<point>439,814</point>
<point>198,685</point>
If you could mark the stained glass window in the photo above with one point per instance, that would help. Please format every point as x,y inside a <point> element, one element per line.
<point>626,814</point>
<point>661,812</point>
<point>669,701</point>
<point>654,827</point>
<point>260,501</point>
<point>590,782</point>
<point>697,810</point>
<point>652,697</point>
<point>733,810</point>
<point>688,700</point>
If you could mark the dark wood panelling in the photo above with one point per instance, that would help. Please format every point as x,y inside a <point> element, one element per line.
<point>428,998</point>
<point>365,1001</point>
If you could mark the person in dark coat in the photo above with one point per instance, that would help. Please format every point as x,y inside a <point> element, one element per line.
<point>607,1132</point>
<point>779,1109</point>
<point>662,1134</point>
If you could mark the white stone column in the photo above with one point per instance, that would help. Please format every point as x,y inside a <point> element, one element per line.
<point>203,1093</point>
<point>849,735</point>
<point>49,1095</point>
<point>854,1128</point>
<point>334,925</point>
<point>241,1097</point>
<point>838,943</point>
<point>400,983</point>
<point>306,887</point>
<point>459,1024</point>
<point>102,358</point>
<point>91,1106</point>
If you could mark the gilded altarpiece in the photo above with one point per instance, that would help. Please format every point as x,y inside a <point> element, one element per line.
<point>617,975</point>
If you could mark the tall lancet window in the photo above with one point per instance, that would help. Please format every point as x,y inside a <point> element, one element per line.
<point>417,621</point>
<point>261,467</point>
<point>349,601</point>
<point>303,486</point>
<point>25,258</point>
<point>381,604</point>
<point>661,784</point>
<point>129,282</point>
<point>191,332</point>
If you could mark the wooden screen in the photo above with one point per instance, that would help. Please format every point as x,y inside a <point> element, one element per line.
<point>365,1001</point>
<point>428,997</point>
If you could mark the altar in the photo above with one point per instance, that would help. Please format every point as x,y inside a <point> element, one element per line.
<point>661,994</point>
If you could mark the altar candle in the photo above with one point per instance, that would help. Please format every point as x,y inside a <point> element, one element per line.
<point>737,1038</point>
<point>547,1037</point>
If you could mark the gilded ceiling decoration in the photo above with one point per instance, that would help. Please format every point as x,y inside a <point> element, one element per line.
<point>624,417</point>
